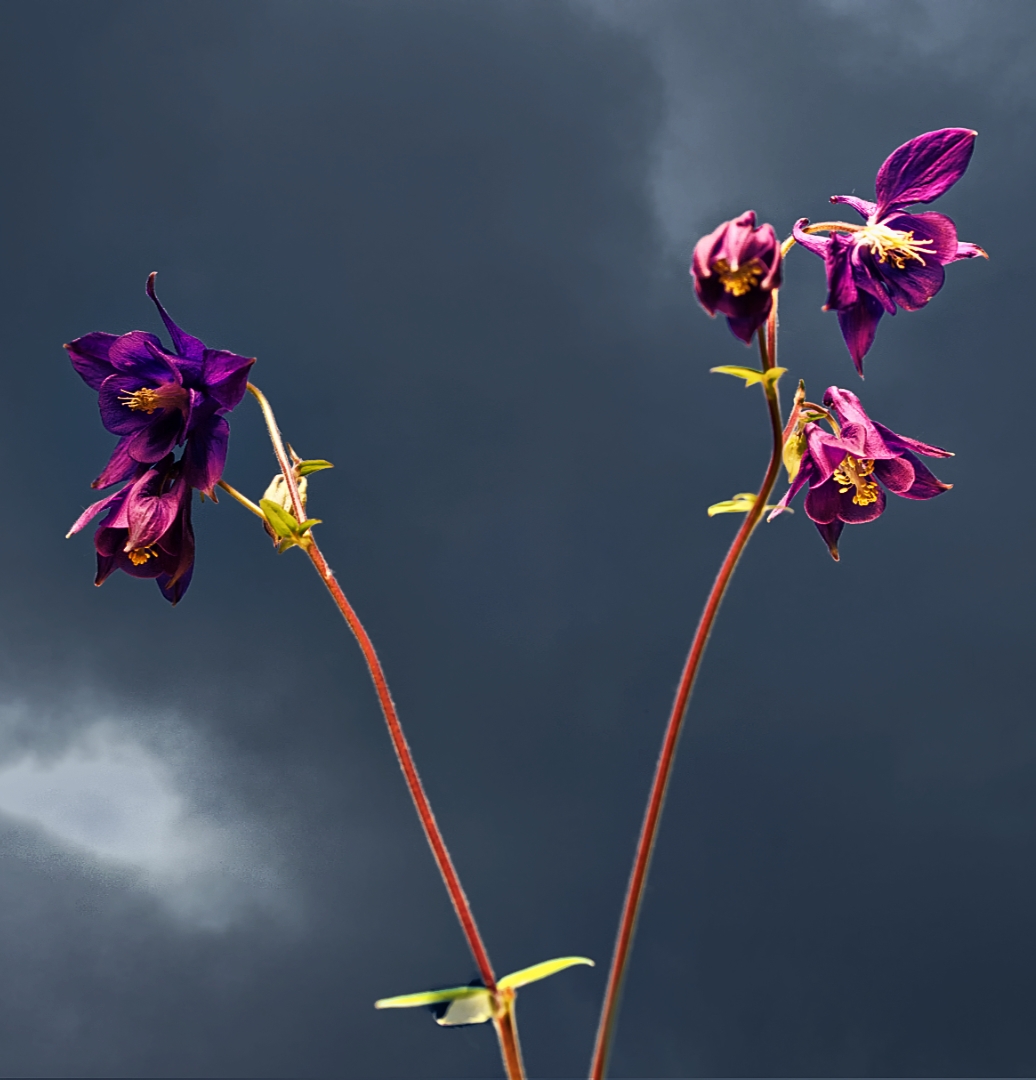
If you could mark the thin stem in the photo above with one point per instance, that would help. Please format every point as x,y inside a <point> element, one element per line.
<point>242,499</point>
<point>506,1031</point>
<point>667,755</point>
<point>506,1025</point>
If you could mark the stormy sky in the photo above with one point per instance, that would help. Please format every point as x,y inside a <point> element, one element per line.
<point>456,236</point>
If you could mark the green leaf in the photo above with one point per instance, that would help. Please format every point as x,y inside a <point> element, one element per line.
<point>309,523</point>
<point>750,375</point>
<point>739,504</point>
<point>304,468</point>
<point>540,971</point>
<point>429,997</point>
<point>281,521</point>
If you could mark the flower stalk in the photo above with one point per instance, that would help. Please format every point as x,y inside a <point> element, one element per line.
<point>503,1020</point>
<point>767,337</point>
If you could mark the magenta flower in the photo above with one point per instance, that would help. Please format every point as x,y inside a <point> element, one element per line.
<point>843,468</point>
<point>735,270</point>
<point>147,533</point>
<point>157,400</point>
<point>896,259</point>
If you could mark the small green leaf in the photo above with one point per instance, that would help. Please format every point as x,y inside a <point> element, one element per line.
<point>739,504</point>
<point>793,452</point>
<point>309,523</point>
<point>540,971</point>
<point>429,997</point>
<point>304,468</point>
<point>750,375</point>
<point>281,521</point>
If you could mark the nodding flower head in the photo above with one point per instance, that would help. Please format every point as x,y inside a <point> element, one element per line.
<point>895,259</point>
<point>155,400</point>
<point>735,270</point>
<point>147,532</point>
<point>848,469</point>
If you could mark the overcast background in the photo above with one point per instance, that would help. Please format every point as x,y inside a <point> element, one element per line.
<point>456,235</point>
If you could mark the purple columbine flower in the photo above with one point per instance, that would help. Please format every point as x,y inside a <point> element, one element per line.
<point>896,259</point>
<point>843,469</point>
<point>735,270</point>
<point>156,400</point>
<point>147,532</point>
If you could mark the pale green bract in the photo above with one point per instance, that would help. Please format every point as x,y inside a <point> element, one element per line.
<point>474,1004</point>
<point>750,375</point>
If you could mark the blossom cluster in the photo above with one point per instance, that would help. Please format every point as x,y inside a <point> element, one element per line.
<point>895,260</point>
<point>157,402</point>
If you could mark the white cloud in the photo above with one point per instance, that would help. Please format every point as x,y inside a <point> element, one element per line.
<point>113,802</point>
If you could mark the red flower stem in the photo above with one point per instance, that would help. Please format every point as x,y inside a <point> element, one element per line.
<point>667,755</point>
<point>504,1025</point>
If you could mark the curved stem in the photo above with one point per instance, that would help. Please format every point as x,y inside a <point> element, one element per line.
<point>506,1031</point>
<point>667,755</point>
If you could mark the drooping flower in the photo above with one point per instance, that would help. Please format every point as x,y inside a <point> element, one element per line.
<point>896,259</point>
<point>156,400</point>
<point>735,270</point>
<point>846,469</point>
<point>147,532</point>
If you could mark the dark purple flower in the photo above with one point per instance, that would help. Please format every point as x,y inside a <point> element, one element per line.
<point>156,400</point>
<point>896,259</point>
<point>147,532</point>
<point>843,469</point>
<point>735,270</point>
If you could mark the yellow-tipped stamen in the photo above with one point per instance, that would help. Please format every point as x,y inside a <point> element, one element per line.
<point>738,280</point>
<point>853,473</point>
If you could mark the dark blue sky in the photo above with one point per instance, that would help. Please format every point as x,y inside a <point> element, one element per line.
<point>456,236</point>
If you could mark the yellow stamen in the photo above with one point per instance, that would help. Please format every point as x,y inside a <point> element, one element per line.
<point>853,473</point>
<point>139,556</point>
<point>738,280</point>
<point>894,244</point>
<point>142,400</point>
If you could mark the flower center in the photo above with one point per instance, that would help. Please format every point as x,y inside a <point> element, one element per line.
<point>139,556</point>
<point>147,399</point>
<point>853,473</point>
<point>739,280</point>
<point>894,244</point>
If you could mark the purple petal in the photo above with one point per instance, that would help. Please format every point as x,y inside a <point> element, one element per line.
<point>861,206</point>
<point>968,251</point>
<point>853,514</point>
<point>897,474</point>
<point>189,347</point>
<point>822,503</point>
<point>744,329</point>
<point>106,566</point>
<point>841,288</point>
<point>94,509</point>
<point>905,444</point>
<point>153,442</point>
<point>226,376</point>
<point>930,225</point>
<point>175,585</point>
<point>923,168</point>
<point>206,454</point>
<point>816,244</point>
<point>860,436</point>
<point>121,465</point>
<point>89,356</point>
<point>802,477</point>
<point>926,484</point>
<point>138,353</point>
<point>151,516</point>
<point>859,323</point>
<point>830,532</point>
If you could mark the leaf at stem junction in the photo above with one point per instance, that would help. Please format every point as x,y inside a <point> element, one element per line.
<point>750,375</point>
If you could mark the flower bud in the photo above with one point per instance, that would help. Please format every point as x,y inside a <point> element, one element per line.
<point>735,270</point>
